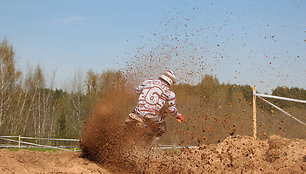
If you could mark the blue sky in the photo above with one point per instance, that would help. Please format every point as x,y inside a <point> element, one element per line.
<point>244,42</point>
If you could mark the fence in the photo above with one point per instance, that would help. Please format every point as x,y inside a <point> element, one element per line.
<point>10,139</point>
<point>274,97</point>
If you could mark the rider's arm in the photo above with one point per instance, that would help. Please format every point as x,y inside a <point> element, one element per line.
<point>172,108</point>
<point>171,103</point>
<point>140,87</point>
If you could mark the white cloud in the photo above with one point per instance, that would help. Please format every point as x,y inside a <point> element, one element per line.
<point>68,20</point>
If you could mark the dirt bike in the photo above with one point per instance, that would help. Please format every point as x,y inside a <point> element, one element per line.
<point>145,131</point>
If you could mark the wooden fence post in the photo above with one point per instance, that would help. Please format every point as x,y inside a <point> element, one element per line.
<point>254,113</point>
<point>19,141</point>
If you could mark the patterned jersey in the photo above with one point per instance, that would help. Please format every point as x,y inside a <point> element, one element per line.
<point>154,94</point>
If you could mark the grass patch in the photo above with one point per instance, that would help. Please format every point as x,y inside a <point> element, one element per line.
<point>52,150</point>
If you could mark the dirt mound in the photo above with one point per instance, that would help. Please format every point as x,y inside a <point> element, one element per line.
<point>25,161</point>
<point>236,154</point>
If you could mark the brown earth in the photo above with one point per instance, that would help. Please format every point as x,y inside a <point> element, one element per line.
<point>235,154</point>
<point>25,161</point>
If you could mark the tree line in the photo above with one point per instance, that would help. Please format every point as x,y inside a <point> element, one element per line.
<point>31,106</point>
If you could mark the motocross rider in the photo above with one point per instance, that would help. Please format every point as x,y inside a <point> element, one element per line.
<point>155,96</point>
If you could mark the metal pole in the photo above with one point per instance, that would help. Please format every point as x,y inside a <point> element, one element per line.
<point>254,113</point>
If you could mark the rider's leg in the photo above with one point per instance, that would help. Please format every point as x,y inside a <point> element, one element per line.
<point>160,129</point>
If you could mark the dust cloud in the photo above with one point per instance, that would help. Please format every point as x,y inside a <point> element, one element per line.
<point>105,141</point>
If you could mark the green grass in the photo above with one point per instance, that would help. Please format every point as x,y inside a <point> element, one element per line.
<point>42,149</point>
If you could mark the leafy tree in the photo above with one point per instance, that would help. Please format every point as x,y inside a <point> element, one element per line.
<point>208,86</point>
<point>229,96</point>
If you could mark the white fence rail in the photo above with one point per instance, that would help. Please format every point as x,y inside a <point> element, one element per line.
<point>280,98</point>
<point>9,139</point>
<point>174,147</point>
<point>283,111</point>
<point>274,97</point>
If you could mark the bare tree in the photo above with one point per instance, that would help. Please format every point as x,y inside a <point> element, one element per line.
<point>8,78</point>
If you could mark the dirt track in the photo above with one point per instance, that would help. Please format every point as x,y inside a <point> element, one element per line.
<point>25,161</point>
<point>234,155</point>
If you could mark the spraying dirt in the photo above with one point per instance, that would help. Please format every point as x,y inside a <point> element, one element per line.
<point>106,143</point>
<point>179,47</point>
<point>104,139</point>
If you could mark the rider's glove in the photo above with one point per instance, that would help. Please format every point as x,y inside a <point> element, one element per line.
<point>179,117</point>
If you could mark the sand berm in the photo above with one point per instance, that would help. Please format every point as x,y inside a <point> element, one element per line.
<point>235,154</point>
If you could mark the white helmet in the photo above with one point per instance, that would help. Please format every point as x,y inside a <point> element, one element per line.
<point>169,77</point>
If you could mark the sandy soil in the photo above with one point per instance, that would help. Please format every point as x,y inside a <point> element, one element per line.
<point>25,161</point>
<point>235,154</point>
